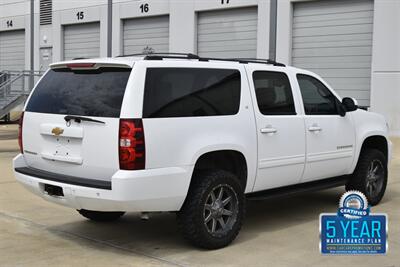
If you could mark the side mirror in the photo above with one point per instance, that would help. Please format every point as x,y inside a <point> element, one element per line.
<point>350,104</point>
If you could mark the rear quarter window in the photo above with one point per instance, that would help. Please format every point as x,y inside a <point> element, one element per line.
<point>96,93</point>
<point>186,92</point>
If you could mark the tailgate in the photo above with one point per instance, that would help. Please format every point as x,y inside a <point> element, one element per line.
<point>71,122</point>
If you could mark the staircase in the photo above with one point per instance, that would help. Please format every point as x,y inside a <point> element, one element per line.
<point>14,89</point>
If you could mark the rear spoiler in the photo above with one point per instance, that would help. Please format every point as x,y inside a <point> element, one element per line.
<point>87,65</point>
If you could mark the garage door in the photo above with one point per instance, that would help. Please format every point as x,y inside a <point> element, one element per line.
<point>334,39</point>
<point>12,50</point>
<point>82,40</point>
<point>146,35</point>
<point>227,33</point>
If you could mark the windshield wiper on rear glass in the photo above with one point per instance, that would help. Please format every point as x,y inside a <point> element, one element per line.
<point>78,119</point>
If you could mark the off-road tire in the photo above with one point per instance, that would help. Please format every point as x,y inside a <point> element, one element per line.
<point>101,216</point>
<point>359,179</point>
<point>191,218</point>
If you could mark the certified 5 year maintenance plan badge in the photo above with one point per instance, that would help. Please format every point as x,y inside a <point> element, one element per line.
<point>353,229</point>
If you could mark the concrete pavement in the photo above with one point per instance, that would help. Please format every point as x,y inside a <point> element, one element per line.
<point>281,232</point>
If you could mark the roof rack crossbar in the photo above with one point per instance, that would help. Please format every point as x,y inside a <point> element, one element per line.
<point>163,55</point>
<point>245,60</point>
<point>221,59</point>
<point>160,57</point>
<point>258,60</point>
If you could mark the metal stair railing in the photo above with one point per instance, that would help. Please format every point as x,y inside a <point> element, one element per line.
<point>14,88</point>
<point>5,87</point>
<point>2,76</point>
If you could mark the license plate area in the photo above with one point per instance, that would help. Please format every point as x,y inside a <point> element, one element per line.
<point>53,190</point>
<point>65,146</point>
<point>60,141</point>
<point>61,148</point>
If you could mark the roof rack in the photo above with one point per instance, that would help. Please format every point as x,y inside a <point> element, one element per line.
<point>161,56</point>
<point>262,60</point>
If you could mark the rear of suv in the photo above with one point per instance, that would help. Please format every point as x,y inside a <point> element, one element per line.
<point>57,143</point>
<point>191,135</point>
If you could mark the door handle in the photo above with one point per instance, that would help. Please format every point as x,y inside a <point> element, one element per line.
<point>268,130</point>
<point>315,128</point>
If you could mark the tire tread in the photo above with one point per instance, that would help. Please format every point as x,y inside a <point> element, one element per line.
<point>188,221</point>
<point>358,178</point>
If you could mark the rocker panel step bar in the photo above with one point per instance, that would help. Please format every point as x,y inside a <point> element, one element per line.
<point>298,188</point>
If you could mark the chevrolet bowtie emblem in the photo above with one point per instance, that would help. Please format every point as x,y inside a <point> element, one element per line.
<point>57,131</point>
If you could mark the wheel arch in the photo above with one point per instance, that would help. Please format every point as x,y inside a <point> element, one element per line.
<point>231,160</point>
<point>377,141</point>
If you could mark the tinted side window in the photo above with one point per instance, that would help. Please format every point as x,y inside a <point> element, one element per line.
<point>185,92</point>
<point>86,93</point>
<point>273,92</point>
<point>317,99</point>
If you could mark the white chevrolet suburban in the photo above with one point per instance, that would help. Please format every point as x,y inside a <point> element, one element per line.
<point>196,136</point>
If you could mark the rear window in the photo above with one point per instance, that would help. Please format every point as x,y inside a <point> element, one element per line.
<point>186,92</point>
<point>96,93</point>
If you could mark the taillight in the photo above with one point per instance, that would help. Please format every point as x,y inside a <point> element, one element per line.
<point>80,65</point>
<point>20,123</point>
<point>132,147</point>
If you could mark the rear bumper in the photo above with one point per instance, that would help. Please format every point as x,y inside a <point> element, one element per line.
<point>162,189</point>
